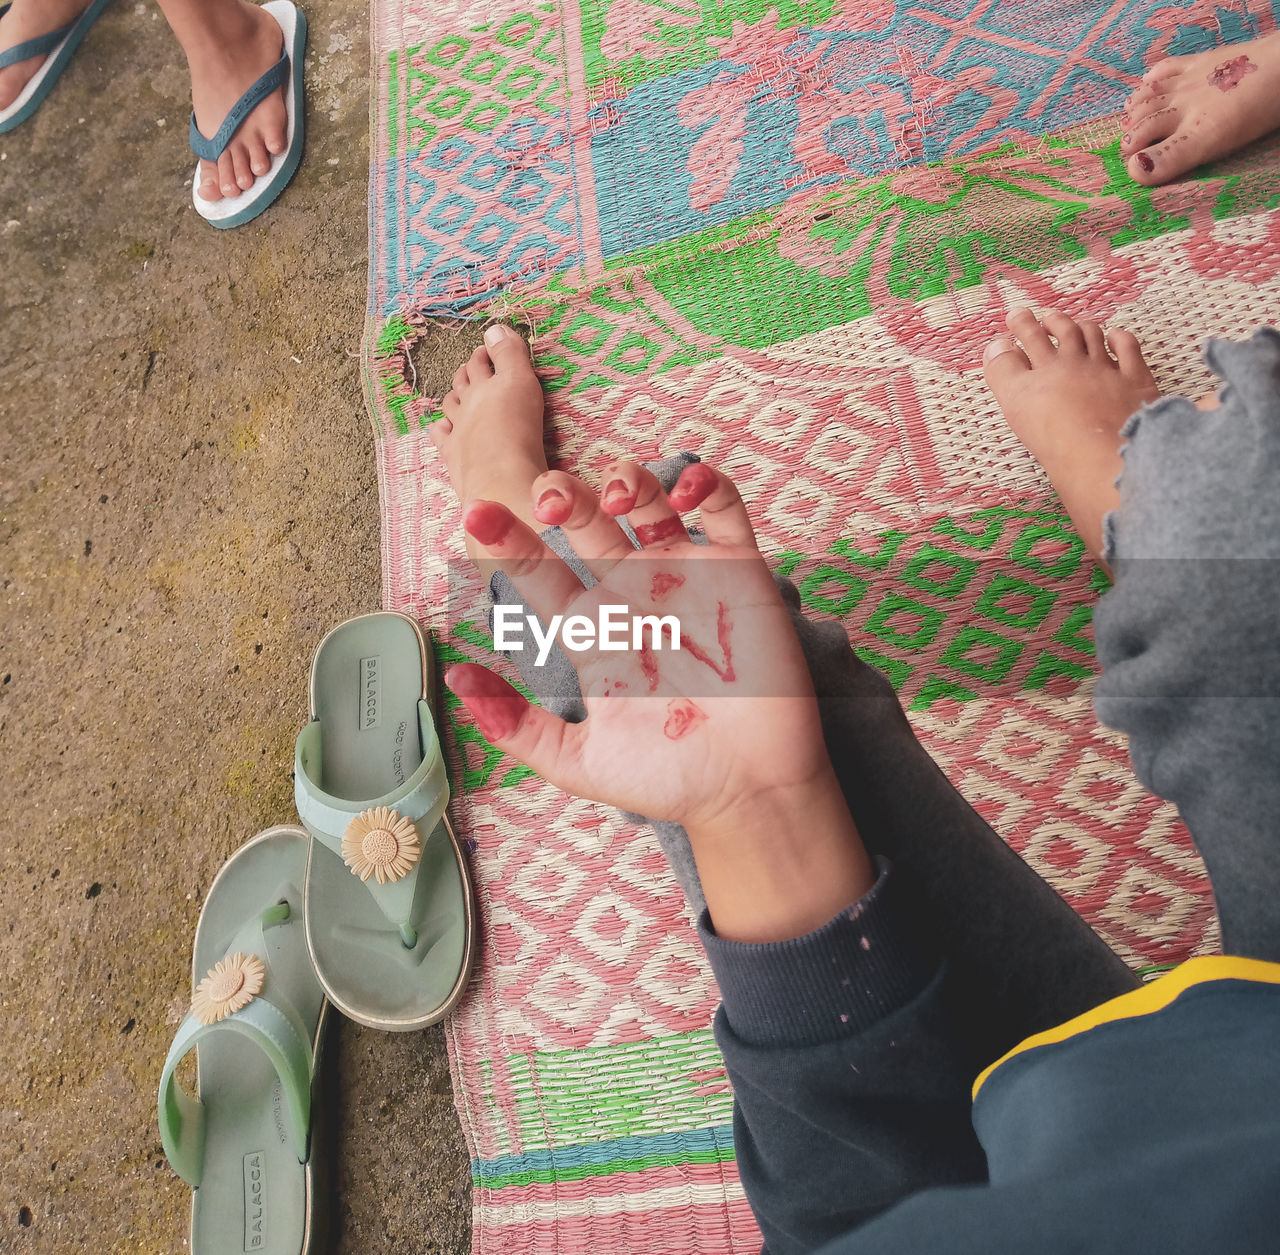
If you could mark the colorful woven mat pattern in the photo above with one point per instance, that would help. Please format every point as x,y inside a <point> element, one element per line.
<point>778,235</point>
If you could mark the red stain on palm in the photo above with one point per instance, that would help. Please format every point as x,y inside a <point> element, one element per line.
<point>487,521</point>
<point>649,667</point>
<point>724,635</point>
<point>695,485</point>
<point>495,706</point>
<point>654,533</point>
<point>663,583</point>
<point>1229,73</point>
<point>682,717</point>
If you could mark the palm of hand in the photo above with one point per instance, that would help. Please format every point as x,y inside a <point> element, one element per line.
<point>684,733</point>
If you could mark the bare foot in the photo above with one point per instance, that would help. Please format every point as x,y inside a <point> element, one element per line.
<point>230,44</point>
<point>491,434</point>
<point>1190,110</point>
<point>29,19</point>
<point>1067,403</point>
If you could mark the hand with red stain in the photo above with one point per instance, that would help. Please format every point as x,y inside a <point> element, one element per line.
<point>683,733</point>
<point>722,736</point>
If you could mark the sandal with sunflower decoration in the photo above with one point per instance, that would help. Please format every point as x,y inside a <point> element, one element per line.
<point>245,1140</point>
<point>390,908</point>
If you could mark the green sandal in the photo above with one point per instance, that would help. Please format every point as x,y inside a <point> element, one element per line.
<point>390,908</point>
<point>244,1141</point>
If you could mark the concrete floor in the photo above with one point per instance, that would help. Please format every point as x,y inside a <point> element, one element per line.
<point>188,501</point>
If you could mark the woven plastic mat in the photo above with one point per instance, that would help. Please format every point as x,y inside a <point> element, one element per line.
<point>778,235</point>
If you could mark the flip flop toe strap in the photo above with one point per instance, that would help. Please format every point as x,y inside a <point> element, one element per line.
<point>272,80</point>
<point>182,1116</point>
<point>355,830</point>
<point>40,46</point>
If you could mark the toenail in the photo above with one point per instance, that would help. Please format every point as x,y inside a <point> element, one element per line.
<point>997,347</point>
<point>495,335</point>
<point>1146,163</point>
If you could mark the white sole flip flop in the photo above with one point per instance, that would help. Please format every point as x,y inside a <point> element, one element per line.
<point>57,48</point>
<point>235,211</point>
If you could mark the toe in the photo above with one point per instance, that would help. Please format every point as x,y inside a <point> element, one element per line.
<point>1067,333</point>
<point>507,350</point>
<point>1002,363</point>
<point>1150,129</point>
<point>240,164</point>
<point>1095,340</point>
<point>227,176</point>
<point>1124,346</point>
<point>478,365</point>
<point>210,187</point>
<point>1031,335</point>
<point>461,379</point>
<point>259,158</point>
<point>274,121</point>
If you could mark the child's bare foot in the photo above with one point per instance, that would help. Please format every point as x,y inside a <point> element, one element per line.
<point>230,44</point>
<point>1194,109</point>
<point>29,19</point>
<point>491,434</point>
<point>1067,403</point>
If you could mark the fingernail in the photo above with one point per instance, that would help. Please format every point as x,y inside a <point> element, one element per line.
<point>1020,309</point>
<point>487,522</point>
<point>695,485</point>
<point>617,497</point>
<point>552,507</point>
<point>1001,344</point>
<point>495,706</point>
<point>495,335</point>
<point>1124,139</point>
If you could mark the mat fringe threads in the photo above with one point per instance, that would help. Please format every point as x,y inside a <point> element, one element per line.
<point>778,237</point>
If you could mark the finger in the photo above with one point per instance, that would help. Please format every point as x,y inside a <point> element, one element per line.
<point>536,737</point>
<point>540,577</point>
<point>1064,330</point>
<point>631,490</point>
<point>724,516</point>
<point>564,501</point>
<point>479,365</point>
<point>1095,341</point>
<point>1031,335</point>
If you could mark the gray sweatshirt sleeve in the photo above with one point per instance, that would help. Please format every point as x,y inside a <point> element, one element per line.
<point>851,1086</point>
<point>1189,638</point>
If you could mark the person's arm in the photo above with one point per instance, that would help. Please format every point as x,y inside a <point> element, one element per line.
<point>851,1089</point>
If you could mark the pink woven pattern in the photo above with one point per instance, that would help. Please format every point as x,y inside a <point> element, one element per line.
<point>811,327</point>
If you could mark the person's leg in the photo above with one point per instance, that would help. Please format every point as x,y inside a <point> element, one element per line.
<point>1020,959</point>
<point>1187,638</point>
<point>1195,109</point>
<point>229,45</point>
<point>29,19</point>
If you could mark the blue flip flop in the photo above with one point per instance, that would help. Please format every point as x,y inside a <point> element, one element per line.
<point>235,211</point>
<point>56,47</point>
